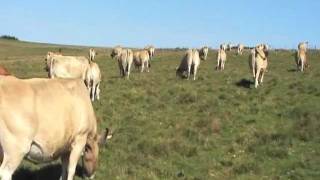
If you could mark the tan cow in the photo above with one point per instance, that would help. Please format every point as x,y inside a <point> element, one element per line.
<point>48,59</point>
<point>66,66</point>
<point>189,64</point>
<point>203,52</point>
<point>301,56</point>
<point>303,46</point>
<point>46,119</point>
<point>93,79</point>
<point>141,59</point>
<point>260,63</point>
<point>92,54</point>
<point>124,58</point>
<point>221,59</point>
<point>151,51</point>
<point>252,62</point>
<point>223,46</point>
<point>240,49</point>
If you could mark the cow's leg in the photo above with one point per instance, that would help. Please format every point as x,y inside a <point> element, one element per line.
<point>77,148</point>
<point>253,66</point>
<point>90,91</point>
<point>148,66</point>
<point>217,67</point>
<point>93,90</point>
<point>302,64</point>
<point>298,64</point>
<point>142,67</point>
<point>128,70</point>
<point>253,71</point>
<point>257,77</point>
<point>11,161</point>
<point>262,75</point>
<point>189,71</point>
<point>98,91</point>
<point>222,65</point>
<point>195,71</point>
<point>64,164</point>
<point>120,67</point>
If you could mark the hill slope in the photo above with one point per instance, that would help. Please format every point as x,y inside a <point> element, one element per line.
<point>218,127</point>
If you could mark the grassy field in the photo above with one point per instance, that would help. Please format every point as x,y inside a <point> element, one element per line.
<point>217,127</point>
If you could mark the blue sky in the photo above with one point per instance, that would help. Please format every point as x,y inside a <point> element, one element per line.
<point>164,23</point>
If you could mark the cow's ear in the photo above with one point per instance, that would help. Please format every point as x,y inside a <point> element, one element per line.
<point>104,136</point>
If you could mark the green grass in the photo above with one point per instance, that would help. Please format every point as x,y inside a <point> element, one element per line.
<point>217,127</point>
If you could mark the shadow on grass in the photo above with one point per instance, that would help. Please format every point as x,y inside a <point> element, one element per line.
<point>49,172</point>
<point>116,77</point>
<point>245,83</point>
<point>292,70</point>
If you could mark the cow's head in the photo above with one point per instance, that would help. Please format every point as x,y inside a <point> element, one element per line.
<point>91,152</point>
<point>116,52</point>
<point>262,50</point>
<point>48,59</point>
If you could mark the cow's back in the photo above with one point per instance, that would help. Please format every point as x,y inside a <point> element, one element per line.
<point>69,66</point>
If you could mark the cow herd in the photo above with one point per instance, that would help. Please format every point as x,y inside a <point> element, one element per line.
<point>45,119</point>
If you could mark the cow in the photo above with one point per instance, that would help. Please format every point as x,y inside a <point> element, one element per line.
<point>221,58</point>
<point>259,63</point>
<point>252,61</point>
<point>203,52</point>
<point>4,71</point>
<point>301,56</point>
<point>303,46</point>
<point>92,54</point>
<point>189,64</point>
<point>223,47</point>
<point>151,51</point>
<point>240,49</point>
<point>124,58</point>
<point>93,79</point>
<point>66,66</point>
<point>141,59</point>
<point>43,120</point>
<point>49,56</point>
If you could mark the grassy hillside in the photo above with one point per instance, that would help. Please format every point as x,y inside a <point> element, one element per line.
<point>217,127</point>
